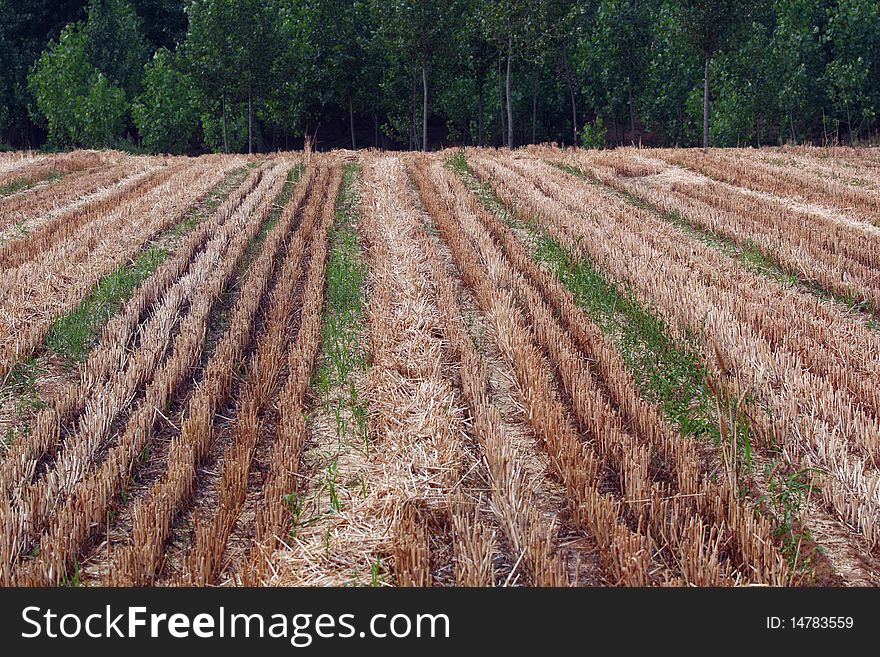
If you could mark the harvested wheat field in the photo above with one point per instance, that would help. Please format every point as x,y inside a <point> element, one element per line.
<point>473,367</point>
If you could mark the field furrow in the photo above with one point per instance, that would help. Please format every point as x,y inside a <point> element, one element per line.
<point>777,176</point>
<point>136,557</point>
<point>22,214</point>
<point>205,559</point>
<point>836,255</point>
<point>519,492</point>
<point>21,174</point>
<point>476,367</point>
<point>86,504</point>
<point>34,293</point>
<point>806,362</point>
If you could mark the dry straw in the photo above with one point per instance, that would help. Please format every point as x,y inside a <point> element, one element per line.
<point>34,292</point>
<point>806,360</point>
<point>86,506</point>
<point>205,559</point>
<point>138,561</point>
<point>414,420</point>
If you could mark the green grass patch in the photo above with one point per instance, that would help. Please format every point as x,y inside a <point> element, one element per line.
<point>14,186</point>
<point>283,198</point>
<point>20,385</point>
<point>669,370</point>
<point>22,184</point>
<point>75,332</point>
<point>344,297</point>
<point>343,317</point>
<point>459,164</point>
<point>746,252</point>
<point>341,354</point>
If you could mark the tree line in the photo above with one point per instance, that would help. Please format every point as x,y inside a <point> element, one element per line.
<point>254,75</point>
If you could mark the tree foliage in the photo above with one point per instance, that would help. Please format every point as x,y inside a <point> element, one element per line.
<point>165,112</point>
<point>115,43</point>
<point>80,105</point>
<point>405,72</point>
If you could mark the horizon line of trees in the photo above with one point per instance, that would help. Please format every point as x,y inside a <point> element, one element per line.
<point>182,76</point>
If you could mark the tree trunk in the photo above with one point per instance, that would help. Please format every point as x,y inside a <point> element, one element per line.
<point>375,129</point>
<point>706,100</point>
<point>849,124</point>
<point>501,101</point>
<point>509,100</point>
<point>250,121</point>
<point>480,83</point>
<point>412,128</point>
<point>632,111</point>
<point>223,110</point>
<point>424,107</point>
<point>571,93</point>
<point>534,102</point>
<point>351,121</point>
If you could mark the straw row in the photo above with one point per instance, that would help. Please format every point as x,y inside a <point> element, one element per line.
<point>650,507</point>
<point>851,166</point>
<point>137,562</point>
<point>66,224</point>
<point>627,552</point>
<point>606,399</point>
<point>531,537</point>
<point>263,371</point>
<point>75,190</point>
<point>40,168</point>
<point>415,414</point>
<point>34,293</point>
<point>32,502</point>
<point>754,171</point>
<point>410,459</point>
<point>841,256</point>
<point>112,351</point>
<point>802,358</point>
<point>822,335</point>
<point>106,403</point>
<point>12,160</point>
<point>273,512</point>
<point>86,508</point>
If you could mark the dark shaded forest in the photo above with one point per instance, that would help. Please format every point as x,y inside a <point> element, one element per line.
<point>259,75</point>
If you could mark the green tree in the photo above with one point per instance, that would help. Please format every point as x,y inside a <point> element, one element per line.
<point>210,61</point>
<point>27,27</point>
<point>710,24</point>
<point>165,112</point>
<point>514,26</point>
<point>338,59</point>
<point>78,103</point>
<point>797,59</point>
<point>853,74</point>
<point>565,21</point>
<point>414,40</point>
<point>257,46</point>
<point>115,43</point>
<point>164,21</point>
<point>287,99</point>
<point>230,48</point>
<point>7,77</point>
<point>613,55</point>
